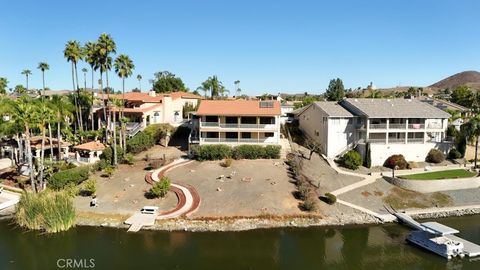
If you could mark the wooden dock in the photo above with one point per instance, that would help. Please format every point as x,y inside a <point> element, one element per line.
<point>138,220</point>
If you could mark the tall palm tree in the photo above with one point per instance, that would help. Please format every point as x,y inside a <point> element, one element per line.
<point>73,53</point>
<point>3,86</point>
<point>123,67</point>
<point>139,78</point>
<point>91,57</point>
<point>471,131</point>
<point>215,87</point>
<point>84,70</point>
<point>63,111</point>
<point>106,46</point>
<point>26,72</point>
<point>45,115</point>
<point>43,66</point>
<point>237,88</point>
<point>24,112</point>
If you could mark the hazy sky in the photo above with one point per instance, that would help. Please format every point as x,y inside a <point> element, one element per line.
<point>270,46</point>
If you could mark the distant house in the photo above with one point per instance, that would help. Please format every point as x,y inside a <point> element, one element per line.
<point>237,122</point>
<point>143,109</point>
<point>89,152</point>
<point>447,105</point>
<point>391,126</point>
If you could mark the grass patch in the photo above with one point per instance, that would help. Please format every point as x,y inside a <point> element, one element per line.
<point>450,174</point>
<point>400,198</point>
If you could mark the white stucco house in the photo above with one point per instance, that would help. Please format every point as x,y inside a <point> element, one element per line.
<point>236,122</point>
<point>391,126</point>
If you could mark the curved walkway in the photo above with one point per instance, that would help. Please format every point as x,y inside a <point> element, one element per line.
<point>188,198</point>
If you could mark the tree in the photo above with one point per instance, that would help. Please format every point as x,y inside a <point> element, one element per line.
<point>3,86</point>
<point>20,89</point>
<point>74,53</point>
<point>237,88</point>
<point>26,72</point>
<point>166,82</point>
<point>313,146</point>
<point>462,95</point>
<point>123,67</point>
<point>45,117</point>
<point>85,70</point>
<point>335,91</point>
<point>139,78</point>
<point>471,131</point>
<point>213,85</point>
<point>43,66</point>
<point>90,51</point>
<point>62,108</point>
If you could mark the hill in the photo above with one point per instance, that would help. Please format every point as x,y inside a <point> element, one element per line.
<point>469,78</point>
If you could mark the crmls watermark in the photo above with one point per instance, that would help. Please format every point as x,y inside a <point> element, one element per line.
<point>75,263</point>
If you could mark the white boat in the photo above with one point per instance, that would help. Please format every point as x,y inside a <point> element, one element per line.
<point>435,239</point>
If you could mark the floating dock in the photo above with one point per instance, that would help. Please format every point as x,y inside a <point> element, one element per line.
<point>438,238</point>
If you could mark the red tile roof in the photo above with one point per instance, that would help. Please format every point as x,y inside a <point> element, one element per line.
<point>238,108</point>
<point>145,97</point>
<point>91,146</point>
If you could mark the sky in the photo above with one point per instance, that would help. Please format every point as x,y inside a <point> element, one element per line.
<point>270,46</point>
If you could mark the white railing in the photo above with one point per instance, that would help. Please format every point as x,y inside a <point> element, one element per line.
<point>377,141</point>
<point>234,140</point>
<point>397,126</point>
<point>415,140</point>
<point>416,126</point>
<point>233,125</point>
<point>435,126</point>
<point>396,140</point>
<point>378,126</point>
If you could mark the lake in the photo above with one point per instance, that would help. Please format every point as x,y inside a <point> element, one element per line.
<point>353,247</point>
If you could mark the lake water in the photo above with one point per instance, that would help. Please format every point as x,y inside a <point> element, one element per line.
<point>356,247</point>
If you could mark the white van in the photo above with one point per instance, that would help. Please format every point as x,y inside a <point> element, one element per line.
<point>151,210</point>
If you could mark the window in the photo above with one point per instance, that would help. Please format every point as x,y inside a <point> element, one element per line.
<point>246,135</point>
<point>269,134</point>
<point>325,119</point>
<point>212,134</point>
<point>267,120</point>
<point>231,135</point>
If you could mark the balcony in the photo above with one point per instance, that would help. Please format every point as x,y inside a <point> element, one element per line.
<point>397,126</point>
<point>238,140</point>
<point>395,140</point>
<point>378,126</point>
<point>237,126</point>
<point>416,126</point>
<point>435,126</point>
<point>377,141</point>
<point>415,140</point>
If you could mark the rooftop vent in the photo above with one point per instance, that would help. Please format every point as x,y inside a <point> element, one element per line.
<point>266,104</point>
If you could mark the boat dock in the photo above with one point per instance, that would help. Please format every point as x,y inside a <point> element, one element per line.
<point>438,238</point>
<point>138,220</point>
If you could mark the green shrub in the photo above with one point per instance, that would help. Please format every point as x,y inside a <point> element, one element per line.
<point>108,171</point>
<point>368,156</point>
<point>100,165</point>
<point>248,151</point>
<point>158,131</point>
<point>160,188</point>
<point>212,152</point>
<point>107,154</point>
<point>461,145</point>
<point>310,204</point>
<point>76,175</point>
<point>396,160</point>
<point>47,211</point>
<point>452,131</point>
<point>128,159</point>
<point>330,198</point>
<point>454,154</point>
<point>272,151</point>
<point>352,160</point>
<point>227,162</point>
<point>140,142</point>
<point>435,156</point>
<point>303,190</point>
<point>89,187</point>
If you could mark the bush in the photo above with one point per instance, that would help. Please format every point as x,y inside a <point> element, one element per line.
<point>310,204</point>
<point>454,154</point>
<point>89,187</point>
<point>396,160</point>
<point>330,198</point>
<point>128,159</point>
<point>160,188</point>
<point>435,156</point>
<point>452,131</point>
<point>100,165</point>
<point>248,151</point>
<point>352,160</point>
<point>303,190</point>
<point>108,171</point>
<point>48,211</point>
<point>412,165</point>
<point>158,132</point>
<point>272,151</point>
<point>461,145</point>
<point>368,156</point>
<point>212,152</point>
<point>140,142</point>
<point>107,154</point>
<point>156,164</point>
<point>227,162</point>
<point>76,176</point>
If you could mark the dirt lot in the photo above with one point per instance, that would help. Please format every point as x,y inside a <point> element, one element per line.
<point>255,187</point>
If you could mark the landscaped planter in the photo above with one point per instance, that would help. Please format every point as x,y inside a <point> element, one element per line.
<point>426,186</point>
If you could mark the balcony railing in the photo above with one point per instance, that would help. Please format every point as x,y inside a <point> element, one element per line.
<point>377,141</point>
<point>236,140</point>
<point>415,140</point>
<point>435,126</point>
<point>416,126</point>
<point>395,140</point>
<point>378,126</point>
<point>397,126</point>
<point>233,125</point>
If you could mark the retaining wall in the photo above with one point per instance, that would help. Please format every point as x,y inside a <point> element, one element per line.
<point>426,186</point>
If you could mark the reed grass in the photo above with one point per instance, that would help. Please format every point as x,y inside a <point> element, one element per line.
<point>47,211</point>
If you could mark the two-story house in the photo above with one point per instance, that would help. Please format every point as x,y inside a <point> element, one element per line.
<point>391,126</point>
<point>237,122</point>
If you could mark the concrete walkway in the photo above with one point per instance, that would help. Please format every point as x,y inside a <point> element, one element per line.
<point>381,217</point>
<point>186,207</point>
<point>138,220</point>
<point>10,199</point>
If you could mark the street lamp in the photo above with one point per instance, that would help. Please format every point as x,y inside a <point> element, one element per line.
<point>393,170</point>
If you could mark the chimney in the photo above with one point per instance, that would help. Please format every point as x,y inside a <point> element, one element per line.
<point>152,93</point>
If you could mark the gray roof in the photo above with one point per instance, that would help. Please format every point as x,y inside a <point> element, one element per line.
<point>333,109</point>
<point>393,108</point>
<point>439,228</point>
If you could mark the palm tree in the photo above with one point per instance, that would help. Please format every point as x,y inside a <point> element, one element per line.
<point>27,72</point>
<point>84,70</point>
<point>139,78</point>
<point>63,110</point>
<point>123,67</point>
<point>471,131</point>
<point>237,88</point>
<point>106,46</point>
<point>24,112</point>
<point>91,57</point>
<point>45,115</point>
<point>3,86</point>
<point>73,53</point>
<point>215,87</point>
<point>43,66</point>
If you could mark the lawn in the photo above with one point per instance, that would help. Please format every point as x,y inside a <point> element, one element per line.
<point>458,173</point>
